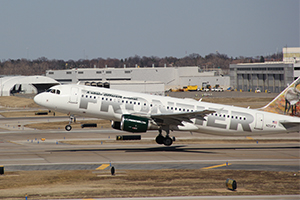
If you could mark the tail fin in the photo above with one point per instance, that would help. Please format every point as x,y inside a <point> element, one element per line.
<point>287,102</point>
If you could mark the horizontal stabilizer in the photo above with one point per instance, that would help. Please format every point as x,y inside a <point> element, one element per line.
<point>291,126</point>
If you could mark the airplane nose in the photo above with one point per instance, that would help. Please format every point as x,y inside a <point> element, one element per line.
<point>38,99</point>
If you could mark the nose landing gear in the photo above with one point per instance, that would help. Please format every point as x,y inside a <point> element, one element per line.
<point>69,127</point>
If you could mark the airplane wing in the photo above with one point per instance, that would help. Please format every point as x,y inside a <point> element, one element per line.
<point>178,118</point>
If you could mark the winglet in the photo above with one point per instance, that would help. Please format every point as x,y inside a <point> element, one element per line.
<point>287,102</point>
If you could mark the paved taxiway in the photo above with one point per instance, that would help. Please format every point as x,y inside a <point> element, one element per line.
<point>24,150</point>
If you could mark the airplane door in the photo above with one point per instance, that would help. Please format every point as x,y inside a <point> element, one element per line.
<point>259,121</point>
<point>74,95</point>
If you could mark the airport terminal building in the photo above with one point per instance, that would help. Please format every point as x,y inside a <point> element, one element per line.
<point>170,77</point>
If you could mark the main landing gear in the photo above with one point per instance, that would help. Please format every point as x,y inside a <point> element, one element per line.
<point>166,140</point>
<point>69,127</point>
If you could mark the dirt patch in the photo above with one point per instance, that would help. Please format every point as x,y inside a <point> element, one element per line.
<point>62,124</point>
<point>17,102</point>
<point>31,114</point>
<point>241,102</point>
<point>144,183</point>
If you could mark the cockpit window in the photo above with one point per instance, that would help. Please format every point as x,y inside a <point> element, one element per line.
<point>54,91</point>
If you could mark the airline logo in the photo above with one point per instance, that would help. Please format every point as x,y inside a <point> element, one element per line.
<point>124,104</point>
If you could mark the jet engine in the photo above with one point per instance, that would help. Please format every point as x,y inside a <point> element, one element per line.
<point>132,123</point>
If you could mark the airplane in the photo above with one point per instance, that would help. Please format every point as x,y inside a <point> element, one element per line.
<point>139,112</point>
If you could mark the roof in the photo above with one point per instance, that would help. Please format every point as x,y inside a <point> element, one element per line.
<point>8,82</point>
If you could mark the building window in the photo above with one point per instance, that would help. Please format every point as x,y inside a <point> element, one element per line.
<point>98,72</point>
<point>243,69</point>
<point>275,68</point>
<point>259,69</point>
<point>108,72</point>
<point>80,72</point>
<point>127,72</point>
<point>51,72</point>
<point>68,72</point>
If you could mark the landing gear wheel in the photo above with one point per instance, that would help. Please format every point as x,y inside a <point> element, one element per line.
<point>160,139</point>
<point>68,127</point>
<point>168,141</point>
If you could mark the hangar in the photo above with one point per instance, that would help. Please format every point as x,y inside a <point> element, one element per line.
<point>270,76</point>
<point>267,76</point>
<point>10,85</point>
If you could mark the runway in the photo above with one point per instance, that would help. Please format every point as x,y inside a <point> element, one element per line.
<point>97,150</point>
<point>25,150</point>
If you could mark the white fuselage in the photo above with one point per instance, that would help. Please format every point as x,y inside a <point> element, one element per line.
<point>112,104</point>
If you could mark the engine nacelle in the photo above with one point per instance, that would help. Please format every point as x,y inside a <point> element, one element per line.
<point>132,123</point>
<point>116,125</point>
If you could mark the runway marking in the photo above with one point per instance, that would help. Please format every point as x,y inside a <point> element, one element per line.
<point>215,166</point>
<point>103,166</point>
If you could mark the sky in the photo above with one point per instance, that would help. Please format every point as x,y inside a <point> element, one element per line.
<point>91,29</point>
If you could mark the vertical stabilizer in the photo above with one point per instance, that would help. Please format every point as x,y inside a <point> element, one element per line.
<point>287,102</point>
